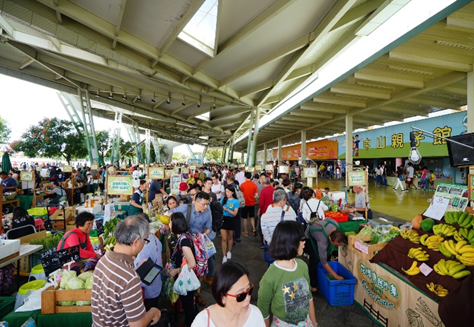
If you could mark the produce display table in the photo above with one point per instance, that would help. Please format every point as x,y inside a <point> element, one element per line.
<point>387,296</point>
<point>351,226</point>
<point>16,319</point>
<point>70,193</point>
<point>7,304</point>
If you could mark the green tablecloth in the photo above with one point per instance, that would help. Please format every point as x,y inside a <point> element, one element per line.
<point>16,319</point>
<point>7,304</point>
<point>25,201</point>
<point>350,226</point>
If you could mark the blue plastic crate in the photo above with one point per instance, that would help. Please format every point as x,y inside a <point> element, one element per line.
<point>337,292</point>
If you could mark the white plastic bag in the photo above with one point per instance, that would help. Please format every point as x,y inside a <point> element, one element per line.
<point>209,246</point>
<point>186,282</point>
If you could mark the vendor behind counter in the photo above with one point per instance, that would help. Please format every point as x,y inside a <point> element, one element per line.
<point>80,236</point>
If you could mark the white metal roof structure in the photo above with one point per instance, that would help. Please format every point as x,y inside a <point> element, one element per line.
<point>133,56</point>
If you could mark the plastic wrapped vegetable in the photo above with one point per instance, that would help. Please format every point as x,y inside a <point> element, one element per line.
<point>366,231</point>
<point>75,284</point>
<point>66,277</point>
<point>89,283</point>
<point>85,275</point>
<point>79,303</point>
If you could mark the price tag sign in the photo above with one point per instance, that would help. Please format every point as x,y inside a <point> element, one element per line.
<point>425,269</point>
<point>361,247</point>
<point>269,167</point>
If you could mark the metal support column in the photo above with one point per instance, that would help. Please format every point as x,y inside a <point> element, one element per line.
<point>265,155</point>
<point>204,152</point>
<point>156,146</point>
<point>138,149</point>
<point>249,139</point>
<point>70,103</point>
<point>224,154</point>
<point>280,154</point>
<point>303,147</point>
<point>147,146</point>
<point>253,152</point>
<point>349,127</point>
<point>242,157</point>
<point>193,156</point>
<point>88,124</point>
<point>115,148</point>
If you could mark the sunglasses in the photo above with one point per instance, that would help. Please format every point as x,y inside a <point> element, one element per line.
<point>146,240</point>
<point>242,296</point>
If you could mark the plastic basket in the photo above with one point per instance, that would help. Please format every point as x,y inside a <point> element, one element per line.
<point>337,292</point>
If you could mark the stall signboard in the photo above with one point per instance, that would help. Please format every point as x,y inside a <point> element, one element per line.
<point>249,169</point>
<point>258,167</point>
<point>66,169</point>
<point>283,169</point>
<point>316,150</point>
<point>94,166</point>
<point>193,168</point>
<point>356,178</point>
<point>388,299</point>
<point>176,169</point>
<point>241,165</point>
<point>175,180</point>
<point>26,176</point>
<point>394,141</point>
<point>457,195</point>
<point>184,171</point>
<point>39,168</point>
<point>168,173</point>
<point>120,185</point>
<point>53,260</point>
<point>310,172</point>
<point>269,167</point>
<point>156,172</point>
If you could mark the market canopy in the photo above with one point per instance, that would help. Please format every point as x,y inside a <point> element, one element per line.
<point>143,57</point>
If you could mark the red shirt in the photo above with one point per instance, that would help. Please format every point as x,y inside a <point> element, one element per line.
<point>77,237</point>
<point>266,198</point>
<point>249,189</point>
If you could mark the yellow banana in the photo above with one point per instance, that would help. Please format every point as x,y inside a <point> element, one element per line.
<point>456,268</point>
<point>461,274</point>
<point>423,239</point>
<point>442,267</point>
<point>459,245</point>
<point>448,247</point>
<point>437,270</point>
<point>466,248</point>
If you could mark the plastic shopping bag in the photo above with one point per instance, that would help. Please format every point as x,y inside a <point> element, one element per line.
<point>192,282</point>
<point>179,286</point>
<point>168,290</point>
<point>209,246</point>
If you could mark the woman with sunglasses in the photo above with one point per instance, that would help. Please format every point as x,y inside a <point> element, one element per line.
<point>230,205</point>
<point>284,288</point>
<point>232,291</point>
<point>184,250</point>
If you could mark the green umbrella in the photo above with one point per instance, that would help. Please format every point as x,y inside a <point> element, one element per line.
<point>6,163</point>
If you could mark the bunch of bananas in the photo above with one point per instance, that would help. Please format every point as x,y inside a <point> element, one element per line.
<point>432,242</point>
<point>411,235</point>
<point>190,180</point>
<point>444,230</point>
<point>463,219</point>
<point>466,254</point>
<point>437,289</point>
<point>414,270</point>
<point>451,268</point>
<point>467,234</point>
<point>418,254</point>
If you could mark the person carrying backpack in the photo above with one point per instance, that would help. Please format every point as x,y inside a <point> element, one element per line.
<point>200,220</point>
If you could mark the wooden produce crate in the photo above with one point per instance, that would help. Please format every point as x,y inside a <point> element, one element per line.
<point>57,218</point>
<point>361,245</point>
<point>51,296</point>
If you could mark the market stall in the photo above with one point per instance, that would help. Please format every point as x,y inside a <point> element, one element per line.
<point>424,275</point>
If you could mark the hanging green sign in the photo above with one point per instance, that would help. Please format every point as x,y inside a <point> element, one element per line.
<point>120,185</point>
<point>156,172</point>
<point>356,178</point>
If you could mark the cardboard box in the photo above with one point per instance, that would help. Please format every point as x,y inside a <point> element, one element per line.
<point>361,245</point>
<point>50,297</point>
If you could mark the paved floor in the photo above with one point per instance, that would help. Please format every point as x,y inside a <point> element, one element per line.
<point>384,201</point>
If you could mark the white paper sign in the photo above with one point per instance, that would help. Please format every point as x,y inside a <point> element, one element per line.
<point>425,269</point>
<point>437,208</point>
<point>361,247</point>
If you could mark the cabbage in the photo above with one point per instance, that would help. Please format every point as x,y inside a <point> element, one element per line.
<point>66,303</point>
<point>83,303</point>
<point>66,277</point>
<point>85,275</point>
<point>75,284</point>
<point>89,283</point>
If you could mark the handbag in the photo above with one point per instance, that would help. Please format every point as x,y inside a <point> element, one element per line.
<point>209,246</point>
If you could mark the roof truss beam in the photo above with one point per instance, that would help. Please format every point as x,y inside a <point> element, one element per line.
<point>426,60</point>
<point>392,78</point>
<point>362,91</point>
<point>331,99</point>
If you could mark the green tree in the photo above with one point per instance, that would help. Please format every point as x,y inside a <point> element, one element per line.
<point>52,138</point>
<point>4,130</point>
<point>179,157</point>
<point>214,154</point>
<point>103,142</point>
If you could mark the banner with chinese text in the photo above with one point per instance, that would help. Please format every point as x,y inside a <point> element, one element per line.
<point>317,150</point>
<point>119,185</point>
<point>387,298</point>
<point>394,141</point>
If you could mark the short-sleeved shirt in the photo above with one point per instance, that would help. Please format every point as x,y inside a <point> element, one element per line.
<point>249,189</point>
<point>360,200</point>
<point>200,221</point>
<point>231,205</point>
<point>116,293</point>
<point>411,172</point>
<point>137,196</point>
<point>151,250</point>
<point>177,256</point>
<point>155,187</point>
<point>7,183</point>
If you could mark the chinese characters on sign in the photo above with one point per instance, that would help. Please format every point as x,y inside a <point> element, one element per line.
<point>376,286</point>
<point>397,140</point>
<point>443,132</point>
